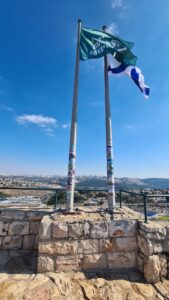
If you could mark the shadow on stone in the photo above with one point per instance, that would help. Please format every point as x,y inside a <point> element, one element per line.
<point>22,261</point>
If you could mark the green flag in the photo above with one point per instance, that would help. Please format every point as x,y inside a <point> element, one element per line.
<point>95,44</point>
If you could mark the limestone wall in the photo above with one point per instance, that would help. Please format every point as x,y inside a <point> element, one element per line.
<point>87,245</point>
<point>88,242</point>
<point>153,251</point>
<point>19,229</point>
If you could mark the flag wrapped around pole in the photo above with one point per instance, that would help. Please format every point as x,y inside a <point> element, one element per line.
<point>115,67</point>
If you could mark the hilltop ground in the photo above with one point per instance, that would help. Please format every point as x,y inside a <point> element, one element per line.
<point>75,286</point>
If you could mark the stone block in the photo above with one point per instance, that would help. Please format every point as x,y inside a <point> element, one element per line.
<point>99,230</point>
<point>166,246</point>
<point>76,230</point>
<point>18,228</point>
<point>149,247</point>
<point>125,244</point>
<point>28,242</point>
<point>59,230</point>
<point>152,269</point>
<point>94,262</point>
<point>45,264</point>
<point>157,247</point>
<point>12,242</point>
<point>163,265</point>
<point>34,227</point>
<point>68,263</point>
<point>122,260</point>
<point>145,246</point>
<point>120,228</point>
<point>58,248</point>
<point>35,215</point>
<point>45,228</point>
<point>86,229</point>
<point>12,214</point>
<point>88,246</point>
<point>152,230</point>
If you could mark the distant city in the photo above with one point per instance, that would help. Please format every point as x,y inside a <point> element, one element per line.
<point>82,182</point>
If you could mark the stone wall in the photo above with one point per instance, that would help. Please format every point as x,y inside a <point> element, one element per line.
<point>86,245</point>
<point>153,251</point>
<point>88,242</point>
<point>19,235</point>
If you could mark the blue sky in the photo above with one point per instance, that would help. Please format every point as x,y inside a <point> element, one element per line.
<point>37,57</point>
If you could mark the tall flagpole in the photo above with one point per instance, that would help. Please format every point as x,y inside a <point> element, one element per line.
<point>72,147</point>
<point>109,142</point>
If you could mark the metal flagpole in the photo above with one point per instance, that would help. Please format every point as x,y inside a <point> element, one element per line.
<point>109,143</point>
<point>72,147</point>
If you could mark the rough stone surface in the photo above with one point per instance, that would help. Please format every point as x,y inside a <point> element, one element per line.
<point>76,230</point>
<point>35,215</point>
<point>34,227</point>
<point>99,230</point>
<point>118,244</point>
<point>94,262</point>
<point>59,230</point>
<point>12,242</point>
<point>166,246</point>
<point>19,228</point>
<point>75,286</point>
<point>152,269</point>
<point>122,228</point>
<point>28,241</point>
<point>45,228</point>
<point>153,230</point>
<point>163,265</point>
<point>59,248</point>
<point>88,246</point>
<point>145,245</point>
<point>68,263</point>
<point>45,264</point>
<point>86,229</point>
<point>14,261</point>
<point>122,260</point>
<point>2,231</point>
<point>12,214</point>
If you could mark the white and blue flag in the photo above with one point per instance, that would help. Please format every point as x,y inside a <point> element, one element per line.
<point>117,68</point>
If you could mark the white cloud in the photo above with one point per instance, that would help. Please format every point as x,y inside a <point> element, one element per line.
<point>49,131</point>
<point>39,120</point>
<point>65,126</point>
<point>121,5</point>
<point>113,28</point>
<point>5,107</point>
<point>117,3</point>
<point>47,123</point>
